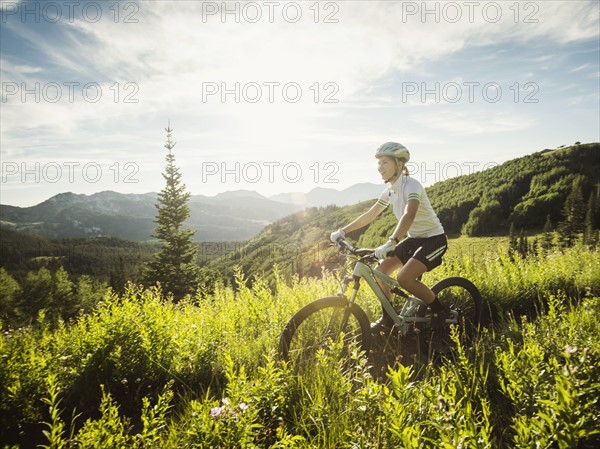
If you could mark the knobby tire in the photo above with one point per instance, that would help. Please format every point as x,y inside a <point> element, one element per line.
<point>318,325</point>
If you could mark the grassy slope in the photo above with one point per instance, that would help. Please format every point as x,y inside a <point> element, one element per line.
<point>518,385</point>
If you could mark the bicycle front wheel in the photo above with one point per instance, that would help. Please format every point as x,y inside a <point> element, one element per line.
<point>332,327</point>
<point>466,308</point>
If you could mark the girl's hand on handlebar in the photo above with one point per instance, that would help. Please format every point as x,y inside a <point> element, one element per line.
<point>337,235</point>
<point>382,251</point>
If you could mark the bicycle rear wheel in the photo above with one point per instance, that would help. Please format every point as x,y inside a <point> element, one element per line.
<point>465,303</point>
<point>330,327</point>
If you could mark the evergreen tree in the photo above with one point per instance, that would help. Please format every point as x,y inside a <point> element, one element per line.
<point>118,276</point>
<point>546,242</point>
<point>512,243</point>
<point>64,300</point>
<point>596,213</point>
<point>593,207</point>
<point>174,266</point>
<point>523,245</point>
<point>590,234</point>
<point>574,215</point>
<point>10,290</point>
<point>36,294</point>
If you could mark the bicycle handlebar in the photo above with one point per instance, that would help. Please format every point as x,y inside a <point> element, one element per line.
<point>363,253</point>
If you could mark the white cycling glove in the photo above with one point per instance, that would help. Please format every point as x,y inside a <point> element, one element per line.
<point>335,236</point>
<point>381,251</point>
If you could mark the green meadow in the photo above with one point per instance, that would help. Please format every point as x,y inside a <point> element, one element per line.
<point>138,371</point>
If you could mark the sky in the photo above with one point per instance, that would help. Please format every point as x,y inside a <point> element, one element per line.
<point>285,96</point>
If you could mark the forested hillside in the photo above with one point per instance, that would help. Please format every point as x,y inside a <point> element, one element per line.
<point>522,191</point>
<point>526,194</point>
<point>106,258</point>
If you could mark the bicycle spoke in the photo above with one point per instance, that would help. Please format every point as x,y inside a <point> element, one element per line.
<point>328,327</point>
<point>464,301</point>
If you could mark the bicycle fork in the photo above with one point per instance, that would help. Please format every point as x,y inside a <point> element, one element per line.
<point>346,313</point>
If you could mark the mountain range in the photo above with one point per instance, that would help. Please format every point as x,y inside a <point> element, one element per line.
<point>528,194</point>
<point>525,192</point>
<point>230,216</point>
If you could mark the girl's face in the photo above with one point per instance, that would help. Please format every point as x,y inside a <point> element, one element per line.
<point>388,166</point>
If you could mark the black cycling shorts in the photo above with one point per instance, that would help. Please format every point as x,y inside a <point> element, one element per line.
<point>428,250</point>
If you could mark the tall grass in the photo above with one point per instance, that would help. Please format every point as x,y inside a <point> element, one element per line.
<point>142,372</point>
<point>524,284</point>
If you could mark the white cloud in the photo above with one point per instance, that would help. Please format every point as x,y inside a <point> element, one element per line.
<point>476,122</point>
<point>171,51</point>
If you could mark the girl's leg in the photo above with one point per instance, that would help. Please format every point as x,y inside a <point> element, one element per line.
<point>408,278</point>
<point>387,266</point>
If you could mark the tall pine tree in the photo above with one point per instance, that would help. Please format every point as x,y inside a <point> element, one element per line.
<point>174,266</point>
<point>547,237</point>
<point>574,215</point>
<point>590,235</point>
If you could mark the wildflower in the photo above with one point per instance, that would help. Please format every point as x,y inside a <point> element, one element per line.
<point>215,412</point>
<point>243,406</point>
<point>442,403</point>
<point>570,349</point>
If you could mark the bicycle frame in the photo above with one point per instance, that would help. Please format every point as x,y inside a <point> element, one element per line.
<point>406,318</point>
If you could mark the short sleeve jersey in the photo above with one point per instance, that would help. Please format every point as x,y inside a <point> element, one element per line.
<point>426,223</point>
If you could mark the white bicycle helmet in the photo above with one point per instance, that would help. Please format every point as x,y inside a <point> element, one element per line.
<point>393,149</point>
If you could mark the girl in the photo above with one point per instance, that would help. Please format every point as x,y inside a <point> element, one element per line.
<point>426,243</point>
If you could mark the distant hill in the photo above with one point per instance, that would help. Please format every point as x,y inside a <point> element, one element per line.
<point>320,197</point>
<point>521,192</point>
<point>229,216</point>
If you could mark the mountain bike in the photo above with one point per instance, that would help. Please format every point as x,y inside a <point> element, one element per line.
<point>338,325</point>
